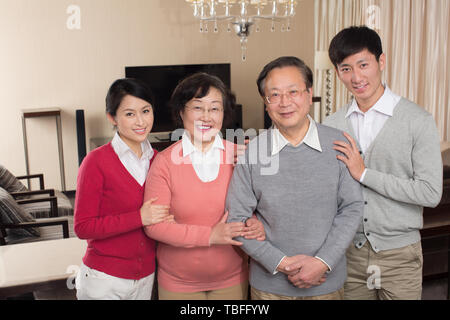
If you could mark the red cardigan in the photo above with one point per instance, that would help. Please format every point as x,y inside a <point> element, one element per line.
<point>107,215</point>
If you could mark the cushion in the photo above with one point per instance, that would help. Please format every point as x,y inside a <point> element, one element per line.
<point>11,212</point>
<point>9,182</point>
<point>42,209</point>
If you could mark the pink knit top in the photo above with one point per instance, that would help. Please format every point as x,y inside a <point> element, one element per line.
<point>186,261</point>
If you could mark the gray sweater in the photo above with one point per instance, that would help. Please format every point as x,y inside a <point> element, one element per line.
<point>310,205</point>
<point>404,174</point>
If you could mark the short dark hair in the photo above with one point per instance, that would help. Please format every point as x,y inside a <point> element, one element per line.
<point>287,61</point>
<point>198,86</point>
<point>353,40</point>
<point>126,86</point>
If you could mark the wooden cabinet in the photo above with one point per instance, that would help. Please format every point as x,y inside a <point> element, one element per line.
<point>436,239</point>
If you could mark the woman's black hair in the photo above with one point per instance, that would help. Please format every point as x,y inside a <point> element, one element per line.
<point>127,86</point>
<point>198,86</point>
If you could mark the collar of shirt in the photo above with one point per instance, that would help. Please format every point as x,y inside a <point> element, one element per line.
<point>121,148</point>
<point>311,138</point>
<point>189,148</point>
<point>384,105</point>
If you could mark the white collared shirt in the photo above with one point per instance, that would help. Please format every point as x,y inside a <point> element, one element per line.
<point>206,164</point>
<point>138,168</point>
<point>311,138</point>
<point>368,125</point>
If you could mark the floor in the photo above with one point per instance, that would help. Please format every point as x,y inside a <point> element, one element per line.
<point>434,290</point>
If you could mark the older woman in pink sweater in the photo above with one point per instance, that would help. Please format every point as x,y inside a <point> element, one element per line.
<point>197,256</point>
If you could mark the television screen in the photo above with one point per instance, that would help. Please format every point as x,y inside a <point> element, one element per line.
<point>163,80</point>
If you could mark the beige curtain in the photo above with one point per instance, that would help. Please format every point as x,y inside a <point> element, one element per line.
<point>416,40</point>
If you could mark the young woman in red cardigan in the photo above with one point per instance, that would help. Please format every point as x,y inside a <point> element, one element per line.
<point>109,211</point>
<point>197,256</point>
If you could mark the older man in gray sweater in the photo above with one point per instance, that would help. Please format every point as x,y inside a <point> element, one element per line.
<point>308,202</point>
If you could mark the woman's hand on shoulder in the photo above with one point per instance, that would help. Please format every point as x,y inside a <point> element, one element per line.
<point>239,150</point>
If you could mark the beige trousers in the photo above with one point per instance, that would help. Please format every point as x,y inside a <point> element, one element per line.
<point>237,292</point>
<point>261,295</point>
<point>387,275</point>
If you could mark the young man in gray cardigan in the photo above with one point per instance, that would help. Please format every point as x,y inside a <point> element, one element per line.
<point>308,202</point>
<point>394,152</point>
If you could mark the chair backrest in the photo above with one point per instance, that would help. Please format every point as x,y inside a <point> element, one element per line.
<point>11,213</point>
<point>9,182</point>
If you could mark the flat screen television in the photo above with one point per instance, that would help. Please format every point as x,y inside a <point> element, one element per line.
<point>163,80</point>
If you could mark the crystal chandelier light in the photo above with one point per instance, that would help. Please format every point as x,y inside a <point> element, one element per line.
<point>243,15</point>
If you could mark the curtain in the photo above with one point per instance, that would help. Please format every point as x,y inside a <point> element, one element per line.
<point>416,40</point>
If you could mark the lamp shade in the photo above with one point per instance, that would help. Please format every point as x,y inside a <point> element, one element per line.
<point>322,61</point>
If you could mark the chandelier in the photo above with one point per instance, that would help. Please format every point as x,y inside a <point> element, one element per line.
<point>243,15</point>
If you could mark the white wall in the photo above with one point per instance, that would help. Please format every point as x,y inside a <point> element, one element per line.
<point>44,64</point>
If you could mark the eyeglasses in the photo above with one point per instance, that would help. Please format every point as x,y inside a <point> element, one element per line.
<point>197,110</point>
<point>275,96</point>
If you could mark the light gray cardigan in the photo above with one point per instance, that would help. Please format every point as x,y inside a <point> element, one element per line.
<point>404,174</point>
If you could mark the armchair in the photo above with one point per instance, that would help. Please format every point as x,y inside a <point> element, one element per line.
<point>42,209</point>
<point>28,216</point>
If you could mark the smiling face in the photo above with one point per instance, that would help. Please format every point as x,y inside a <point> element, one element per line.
<point>361,75</point>
<point>203,117</point>
<point>134,121</point>
<point>290,113</point>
